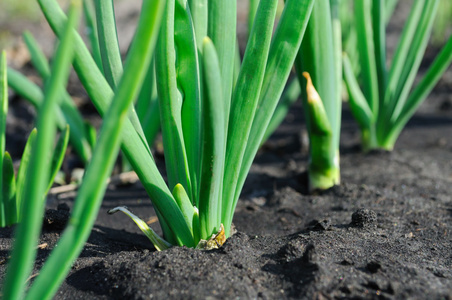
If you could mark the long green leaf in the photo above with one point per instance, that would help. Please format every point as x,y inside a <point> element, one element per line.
<point>23,170</point>
<point>3,112</point>
<point>27,89</point>
<point>222,31</point>
<point>58,156</point>
<point>38,57</point>
<point>29,228</point>
<point>91,31</point>
<point>213,144</point>
<point>151,121</point>
<point>146,93</point>
<point>188,82</point>
<point>367,56</point>
<point>244,103</point>
<point>171,104</point>
<point>108,41</point>
<point>336,105</point>
<point>9,190</point>
<point>379,37</point>
<point>91,134</point>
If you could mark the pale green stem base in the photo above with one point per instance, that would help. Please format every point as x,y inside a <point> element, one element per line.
<point>325,175</point>
<point>323,179</point>
<point>370,141</point>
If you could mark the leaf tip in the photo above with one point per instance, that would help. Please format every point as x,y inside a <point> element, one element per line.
<point>312,95</point>
<point>116,209</point>
<point>7,155</point>
<point>206,40</point>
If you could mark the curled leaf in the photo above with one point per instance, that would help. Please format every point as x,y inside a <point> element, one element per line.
<point>159,243</point>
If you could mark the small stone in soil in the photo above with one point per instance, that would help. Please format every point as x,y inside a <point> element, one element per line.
<point>364,218</point>
<point>446,105</point>
<point>310,254</point>
<point>373,267</point>
<point>322,225</point>
<point>347,262</point>
<point>294,249</point>
<point>57,219</point>
<point>372,285</point>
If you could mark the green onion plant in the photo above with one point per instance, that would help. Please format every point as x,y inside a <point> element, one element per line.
<point>92,189</point>
<point>211,126</point>
<point>319,61</point>
<point>382,99</point>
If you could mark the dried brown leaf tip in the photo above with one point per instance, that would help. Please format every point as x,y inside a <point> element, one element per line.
<point>313,96</point>
<point>216,240</point>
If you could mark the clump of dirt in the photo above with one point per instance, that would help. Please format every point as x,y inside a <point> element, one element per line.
<point>364,218</point>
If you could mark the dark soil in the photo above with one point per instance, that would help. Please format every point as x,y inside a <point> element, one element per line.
<point>384,233</point>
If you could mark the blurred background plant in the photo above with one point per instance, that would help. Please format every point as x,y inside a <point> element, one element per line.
<point>14,17</point>
<point>22,9</point>
<point>383,96</point>
<point>442,26</point>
